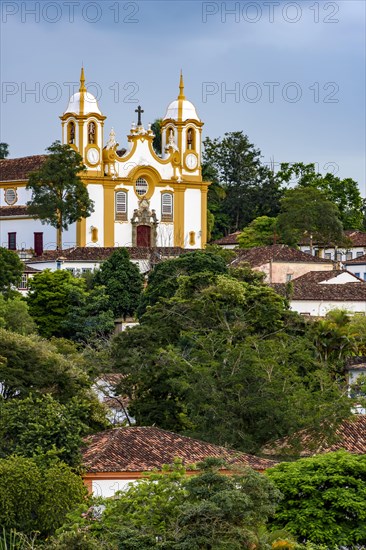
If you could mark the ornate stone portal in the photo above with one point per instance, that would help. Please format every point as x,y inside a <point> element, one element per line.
<point>144,225</point>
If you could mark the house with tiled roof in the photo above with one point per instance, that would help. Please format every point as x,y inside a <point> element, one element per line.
<point>280,263</point>
<point>350,435</point>
<point>114,458</point>
<point>229,241</point>
<point>316,293</point>
<point>89,258</point>
<point>357,265</point>
<point>354,248</point>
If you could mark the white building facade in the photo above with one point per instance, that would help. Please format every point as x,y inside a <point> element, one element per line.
<point>141,199</point>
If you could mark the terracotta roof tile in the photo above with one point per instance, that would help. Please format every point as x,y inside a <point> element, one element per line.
<point>350,435</point>
<point>13,211</point>
<point>228,239</point>
<point>355,238</point>
<point>277,253</point>
<point>356,261</point>
<point>20,168</point>
<point>28,269</point>
<point>99,253</point>
<point>142,449</point>
<point>347,292</point>
<point>321,276</point>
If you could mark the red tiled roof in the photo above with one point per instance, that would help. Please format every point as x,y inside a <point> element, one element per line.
<point>100,253</point>
<point>260,255</point>
<point>357,362</point>
<point>13,211</point>
<point>142,449</point>
<point>28,269</point>
<point>229,239</point>
<point>350,435</point>
<point>20,168</point>
<point>355,237</point>
<point>321,276</point>
<point>347,292</point>
<point>357,261</point>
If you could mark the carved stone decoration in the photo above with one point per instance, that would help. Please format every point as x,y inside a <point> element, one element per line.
<point>146,217</point>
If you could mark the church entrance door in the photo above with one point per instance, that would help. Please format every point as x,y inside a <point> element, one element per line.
<point>143,236</point>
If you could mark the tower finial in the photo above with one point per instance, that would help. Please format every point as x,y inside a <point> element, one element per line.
<point>82,81</point>
<point>181,86</point>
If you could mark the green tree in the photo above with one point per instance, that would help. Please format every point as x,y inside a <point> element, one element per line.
<point>324,499</point>
<point>170,511</point>
<point>32,365</point>
<point>345,194</point>
<point>11,269</point>
<point>123,282</point>
<point>225,361</point>
<point>260,232</point>
<point>251,188</point>
<point>156,128</point>
<point>59,196</point>
<point>35,425</point>
<point>36,495</point>
<point>163,280</point>
<point>61,306</point>
<point>305,211</point>
<point>4,150</point>
<point>14,315</point>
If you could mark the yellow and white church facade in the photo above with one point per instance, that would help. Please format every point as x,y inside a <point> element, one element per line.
<point>141,199</point>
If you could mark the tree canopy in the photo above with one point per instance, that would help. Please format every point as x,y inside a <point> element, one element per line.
<point>324,499</point>
<point>11,269</point>
<point>122,281</point>
<point>36,495</point>
<point>170,511</point>
<point>4,150</point>
<point>224,360</point>
<point>306,212</point>
<point>61,306</point>
<point>345,194</point>
<point>59,196</point>
<point>250,188</point>
<point>163,280</point>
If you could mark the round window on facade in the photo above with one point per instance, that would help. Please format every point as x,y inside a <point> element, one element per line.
<point>141,187</point>
<point>10,196</point>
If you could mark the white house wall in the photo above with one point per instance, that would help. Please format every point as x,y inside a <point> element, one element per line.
<point>192,217</point>
<point>318,308</point>
<point>108,487</point>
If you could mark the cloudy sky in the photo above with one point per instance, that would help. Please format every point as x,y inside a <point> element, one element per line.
<point>291,75</point>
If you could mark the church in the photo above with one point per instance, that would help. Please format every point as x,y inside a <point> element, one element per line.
<point>141,198</point>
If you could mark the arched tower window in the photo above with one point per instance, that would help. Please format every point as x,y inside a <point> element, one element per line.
<point>92,133</point>
<point>166,207</point>
<point>121,206</point>
<point>191,139</point>
<point>71,133</point>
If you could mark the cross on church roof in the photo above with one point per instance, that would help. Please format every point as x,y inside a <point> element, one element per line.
<point>139,111</point>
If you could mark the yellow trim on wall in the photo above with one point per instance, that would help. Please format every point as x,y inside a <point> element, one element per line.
<point>108,215</point>
<point>204,190</point>
<point>179,215</point>
<point>81,232</point>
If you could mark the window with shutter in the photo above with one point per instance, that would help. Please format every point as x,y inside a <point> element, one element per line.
<point>121,206</point>
<point>167,207</point>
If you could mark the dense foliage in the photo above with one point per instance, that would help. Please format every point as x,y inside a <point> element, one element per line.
<point>61,306</point>
<point>59,196</point>
<point>36,495</point>
<point>224,360</point>
<point>249,188</point>
<point>324,498</point>
<point>173,512</point>
<point>122,281</point>
<point>11,269</point>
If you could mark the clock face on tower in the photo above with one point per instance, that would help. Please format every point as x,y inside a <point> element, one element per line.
<point>191,161</point>
<point>93,155</point>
